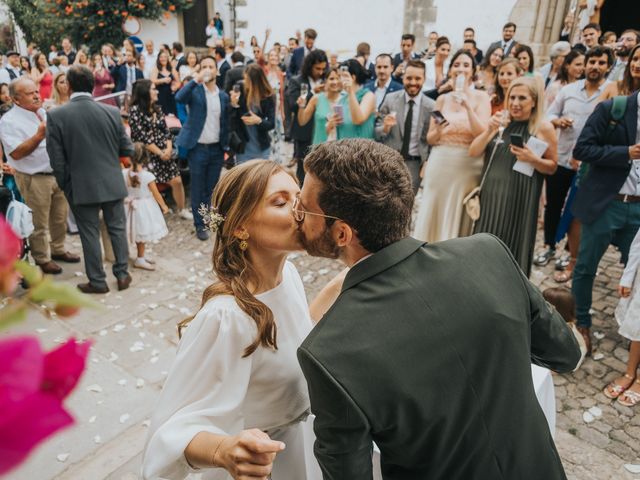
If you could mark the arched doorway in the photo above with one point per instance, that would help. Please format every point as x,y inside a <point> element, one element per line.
<point>619,15</point>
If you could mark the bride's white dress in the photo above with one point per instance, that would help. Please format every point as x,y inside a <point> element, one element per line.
<point>212,388</point>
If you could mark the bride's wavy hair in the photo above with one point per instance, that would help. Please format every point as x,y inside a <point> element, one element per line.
<point>236,197</point>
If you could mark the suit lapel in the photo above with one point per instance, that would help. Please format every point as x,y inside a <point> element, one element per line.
<point>380,261</point>
<point>631,118</point>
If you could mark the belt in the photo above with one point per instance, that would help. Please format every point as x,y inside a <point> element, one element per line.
<point>628,198</point>
<point>49,174</point>
<point>413,157</point>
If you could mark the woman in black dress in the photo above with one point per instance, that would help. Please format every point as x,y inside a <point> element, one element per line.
<point>165,78</point>
<point>510,199</point>
<point>148,127</point>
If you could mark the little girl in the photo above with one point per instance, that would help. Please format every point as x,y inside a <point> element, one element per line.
<point>563,301</point>
<point>627,388</point>
<point>145,222</point>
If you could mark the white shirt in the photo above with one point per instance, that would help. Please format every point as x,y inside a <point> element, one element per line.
<point>212,388</point>
<point>16,127</point>
<point>4,74</point>
<point>414,143</point>
<point>149,62</point>
<point>381,92</point>
<point>572,102</point>
<point>79,94</point>
<point>632,183</point>
<point>211,130</point>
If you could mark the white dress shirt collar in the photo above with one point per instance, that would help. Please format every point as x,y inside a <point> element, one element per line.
<point>79,94</point>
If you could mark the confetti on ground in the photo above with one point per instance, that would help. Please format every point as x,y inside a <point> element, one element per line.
<point>92,419</point>
<point>598,356</point>
<point>153,306</point>
<point>78,274</point>
<point>124,417</point>
<point>122,382</point>
<point>102,333</point>
<point>598,335</point>
<point>146,423</point>
<point>97,439</point>
<point>587,417</point>
<point>62,457</point>
<point>595,411</point>
<point>41,330</point>
<point>632,468</point>
<point>153,359</point>
<point>94,388</point>
<point>139,383</point>
<point>137,347</point>
<point>119,327</point>
<point>113,357</point>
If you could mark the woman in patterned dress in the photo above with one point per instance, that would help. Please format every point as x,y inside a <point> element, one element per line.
<point>148,126</point>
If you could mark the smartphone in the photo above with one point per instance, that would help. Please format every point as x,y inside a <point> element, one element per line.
<point>438,117</point>
<point>237,88</point>
<point>517,140</point>
<point>338,110</point>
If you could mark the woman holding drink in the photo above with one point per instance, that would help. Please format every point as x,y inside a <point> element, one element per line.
<point>325,108</point>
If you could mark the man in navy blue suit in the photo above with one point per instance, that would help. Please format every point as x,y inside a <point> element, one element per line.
<point>297,57</point>
<point>126,73</point>
<point>608,200</point>
<point>383,83</point>
<point>401,59</point>
<point>205,136</point>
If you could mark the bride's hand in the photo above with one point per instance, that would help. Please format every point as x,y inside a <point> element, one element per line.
<point>248,455</point>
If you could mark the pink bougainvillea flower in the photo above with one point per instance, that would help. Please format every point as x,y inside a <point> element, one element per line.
<point>9,253</point>
<point>33,385</point>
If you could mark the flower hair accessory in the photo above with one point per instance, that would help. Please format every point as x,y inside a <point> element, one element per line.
<point>211,218</point>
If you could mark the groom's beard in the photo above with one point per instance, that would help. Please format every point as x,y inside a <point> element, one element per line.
<point>323,246</point>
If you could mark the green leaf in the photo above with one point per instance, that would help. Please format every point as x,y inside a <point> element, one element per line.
<point>31,273</point>
<point>12,313</point>
<point>61,294</point>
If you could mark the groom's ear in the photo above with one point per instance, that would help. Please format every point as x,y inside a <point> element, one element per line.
<point>342,233</point>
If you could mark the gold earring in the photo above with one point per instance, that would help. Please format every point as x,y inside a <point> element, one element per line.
<point>243,244</point>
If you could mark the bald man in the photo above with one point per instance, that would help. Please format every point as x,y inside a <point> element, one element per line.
<point>22,131</point>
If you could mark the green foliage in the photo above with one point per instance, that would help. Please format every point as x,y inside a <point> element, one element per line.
<point>86,22</point>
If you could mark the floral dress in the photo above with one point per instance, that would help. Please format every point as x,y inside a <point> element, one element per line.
<point>150,128</point>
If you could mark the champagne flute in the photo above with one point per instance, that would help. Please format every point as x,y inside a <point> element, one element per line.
<point>503,124</point>
<point>304,90</point>
<point>459,87</point>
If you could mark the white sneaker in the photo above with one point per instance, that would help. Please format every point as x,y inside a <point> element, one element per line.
<point>185,214</point>
<point>149,260</point>
<point>143,264</point>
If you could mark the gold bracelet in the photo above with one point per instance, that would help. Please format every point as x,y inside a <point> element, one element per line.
<point>213,460</point>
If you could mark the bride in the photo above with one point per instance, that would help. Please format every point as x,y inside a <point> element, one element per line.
<point>235,400</point>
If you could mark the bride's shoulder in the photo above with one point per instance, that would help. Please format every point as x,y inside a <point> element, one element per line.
<point>221,313</point>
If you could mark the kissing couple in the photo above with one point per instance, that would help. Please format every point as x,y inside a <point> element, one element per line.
<point>424,349</point>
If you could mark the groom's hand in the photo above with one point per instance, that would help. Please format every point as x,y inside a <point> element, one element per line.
<point>249,455</point>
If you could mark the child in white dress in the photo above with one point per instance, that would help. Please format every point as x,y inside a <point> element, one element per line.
<point>627,388</point>
<point>145,221</point>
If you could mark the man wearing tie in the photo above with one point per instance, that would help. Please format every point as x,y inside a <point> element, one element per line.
<point>404,120</point>
<point>383,83</point>
<point>126,73</point>
<point>507,42</point>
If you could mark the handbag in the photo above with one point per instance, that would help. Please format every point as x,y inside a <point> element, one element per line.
<point>236,143</point>
<point>471,201</point>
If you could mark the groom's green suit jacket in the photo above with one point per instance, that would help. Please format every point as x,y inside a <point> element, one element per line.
<point>427,351</point>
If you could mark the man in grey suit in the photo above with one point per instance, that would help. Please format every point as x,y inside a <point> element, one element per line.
<point>85,140</point>
<point>427,350</point>
<point>404,120</point>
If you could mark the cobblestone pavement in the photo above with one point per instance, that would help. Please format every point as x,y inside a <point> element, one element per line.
<point>135,340</point>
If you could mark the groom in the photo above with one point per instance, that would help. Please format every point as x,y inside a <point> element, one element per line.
<point>428,349</point>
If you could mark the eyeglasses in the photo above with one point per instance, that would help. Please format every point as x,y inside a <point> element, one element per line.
<point>299,213</point>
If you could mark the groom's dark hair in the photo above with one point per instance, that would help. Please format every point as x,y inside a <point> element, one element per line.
<point>367,185</point>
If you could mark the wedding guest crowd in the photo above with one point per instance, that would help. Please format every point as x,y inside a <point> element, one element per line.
<point>524,132</point>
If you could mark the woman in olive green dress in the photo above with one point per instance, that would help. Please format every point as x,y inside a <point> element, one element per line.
<point>509,199</point>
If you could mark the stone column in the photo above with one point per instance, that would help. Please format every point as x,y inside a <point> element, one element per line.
<point>541,21</point>
<point>419,15</point>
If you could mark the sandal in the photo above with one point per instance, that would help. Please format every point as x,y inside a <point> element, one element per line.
<point>614,390</point>
<point>629,398</point>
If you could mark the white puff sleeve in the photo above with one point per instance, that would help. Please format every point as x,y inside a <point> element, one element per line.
<point>632,264</point>
<point>205,388</point>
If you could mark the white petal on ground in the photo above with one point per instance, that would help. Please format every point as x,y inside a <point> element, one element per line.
<point>62,457</point>
<point>153,306</point>
<point>118,328</point>
<point>153,359</point>
<point>137,347</point>
<point>92,419</point>
<point>78,274</point>
<point>182,296</point>
<point>113,357</point>
<point>94,388</point>
<point>598,356</point>
<point>595,411</point>
<point>146,423</point>
<point>102,333</point>
<point>323,271</point>
<point>122,382</point>
<point>598,335</point>
<point>630,467</point>
<point>97,439</point>
<point>139,383</point>
<point>124,417</point>
<point>587,417</point>
<point>41,330</point>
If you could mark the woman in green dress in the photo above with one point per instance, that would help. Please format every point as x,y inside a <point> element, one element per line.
<point>359,103</point>
<point>322,107</point>
<point>510,199</point>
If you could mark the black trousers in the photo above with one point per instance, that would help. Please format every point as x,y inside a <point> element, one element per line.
<point>300,150</point>
<point>557,188</point>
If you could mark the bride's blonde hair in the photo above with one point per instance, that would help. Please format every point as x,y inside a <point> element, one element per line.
<point>235,198</point>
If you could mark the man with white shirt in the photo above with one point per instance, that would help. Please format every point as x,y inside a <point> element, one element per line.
<point>608,200</point>
<point>150,54</point>
<point>22,131</point>
<point>205,136</point>
<point>383,83</point>
<point>12,70</point>
<point>568,113</point>
<point>222,64</point>
<point>627,41</point>
<point>404,118</point>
